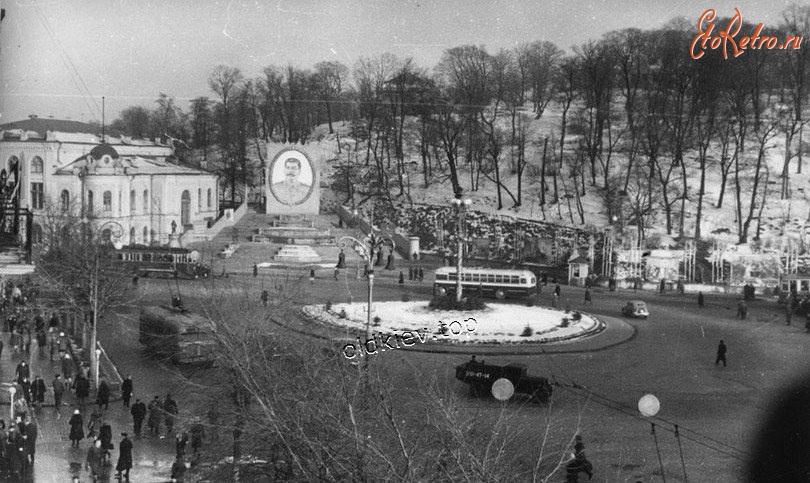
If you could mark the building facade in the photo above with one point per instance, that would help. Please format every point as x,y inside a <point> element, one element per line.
<point>134,184</point>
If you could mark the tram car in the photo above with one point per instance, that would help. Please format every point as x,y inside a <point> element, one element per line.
<point>490,282</point>
<point>481,377</point>
<point>167,262</point>
<point>177,335</point>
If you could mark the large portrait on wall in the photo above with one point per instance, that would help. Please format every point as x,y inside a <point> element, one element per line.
<point>291,177</point>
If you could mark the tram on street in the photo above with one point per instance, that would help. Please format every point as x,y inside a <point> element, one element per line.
<point>491,282</point>
<point>161,262</point>
<point>796,283</point>
<point>177,335</point>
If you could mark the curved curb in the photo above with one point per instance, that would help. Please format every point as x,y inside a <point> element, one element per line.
<point>570,345</point>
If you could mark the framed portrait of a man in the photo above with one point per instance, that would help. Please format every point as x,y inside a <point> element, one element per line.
<point>292,177</point>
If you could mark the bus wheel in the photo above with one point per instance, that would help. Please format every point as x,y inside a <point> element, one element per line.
<point>441,291</point>
<point>500,294</point>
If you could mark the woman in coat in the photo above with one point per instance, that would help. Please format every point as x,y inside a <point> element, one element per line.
<point>124,457</point>
<point>76,428</point>
<point>94,424</point>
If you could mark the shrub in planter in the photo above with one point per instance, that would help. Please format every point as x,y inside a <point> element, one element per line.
<point>577,316</point>
<point>527,332</point>
<point>328,305</point>
<point>343,314</point>
<point>564,322</point>
<point>377,320</point>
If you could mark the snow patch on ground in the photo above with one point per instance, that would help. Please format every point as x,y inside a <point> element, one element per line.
<point>498,323</point>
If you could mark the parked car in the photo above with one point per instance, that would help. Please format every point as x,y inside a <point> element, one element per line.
<point>636,308</point>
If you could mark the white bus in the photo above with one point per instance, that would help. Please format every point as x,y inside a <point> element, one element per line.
<point>491,282</point>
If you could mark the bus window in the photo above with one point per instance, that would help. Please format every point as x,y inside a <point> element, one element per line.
<point>467,277</point>
<point>475,277</point>
<point>514,279</point>
<point>452,276</point>
<point>522,281</point>
<point>491,278</point>
<point>498,278</point>
<point>805,285</point>
<point>441,276</point>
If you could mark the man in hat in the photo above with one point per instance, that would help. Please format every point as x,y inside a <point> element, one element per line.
<point>138,412</point>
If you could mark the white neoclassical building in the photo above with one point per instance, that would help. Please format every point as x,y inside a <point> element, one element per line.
<point>134,183</point>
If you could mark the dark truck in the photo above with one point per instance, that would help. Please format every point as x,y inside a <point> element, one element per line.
<point>481,376</point>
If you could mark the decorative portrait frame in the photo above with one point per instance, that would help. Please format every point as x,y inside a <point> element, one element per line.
<point>275,173</point>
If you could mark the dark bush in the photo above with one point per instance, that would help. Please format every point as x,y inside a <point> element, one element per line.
<point>449,303</point>
<point>343,314</point>
<point>527,332</point>
<point>577,316</point>
<point>377,320</point>
<point>328,305</point>
<point>564,322</point>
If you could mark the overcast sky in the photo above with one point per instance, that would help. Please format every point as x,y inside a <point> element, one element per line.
<point>58,57</point>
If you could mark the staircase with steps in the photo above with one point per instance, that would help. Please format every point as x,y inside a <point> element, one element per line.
<point>12,262</point>
<point>250,253</point>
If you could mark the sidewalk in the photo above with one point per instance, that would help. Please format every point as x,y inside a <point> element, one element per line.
<point>152,457</point>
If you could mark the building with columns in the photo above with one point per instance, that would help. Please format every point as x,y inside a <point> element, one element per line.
<point>135,183</point>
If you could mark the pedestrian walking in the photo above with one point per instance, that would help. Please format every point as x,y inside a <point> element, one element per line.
<point>26,390</point>
<point>701,300</point>
<point>105,435</point>
<point>67,369</point>
<point>421,274</point>
<point>401,277</point>
<point>20,406</point>
<point>742,310</point>
<point>31,432</point>
<point>82,387</point>
<point>126,390</point>
<point>95,423</point>
<point>255,270</point>
<point>180,442</point>
<point>312,276</point>
<point>410,274</point>
<point>721,353</point>
<point>22,371</point>
<point>662,286</point>
<point>39,389</point>
<point>155,416</point>
<point>58,391</point>
<point>95,460</point>
<point>103,394</point>
<point>138,412</point>
<point>124,463</point>
<point>557,290</point>
<point>579,463</point>
<point>76,428</point>
<point>788,313</point>
<point>337,272</point>
<point>265,297</point>
<point>42,341</point>
<point>52,343</point>
<point>197,436</point>
<point>588,300</point>
<point>179,470</point>
<point>169,413</point>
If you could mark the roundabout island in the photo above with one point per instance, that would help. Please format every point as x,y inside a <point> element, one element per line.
<point>498,325</point>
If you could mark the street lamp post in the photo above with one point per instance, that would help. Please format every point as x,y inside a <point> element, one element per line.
<point>461,207</point>
<point>116,231</point>
<point>95,369</point>
<point>366,250</point>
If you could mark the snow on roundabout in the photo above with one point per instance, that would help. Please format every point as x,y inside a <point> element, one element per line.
<point>497,324</point>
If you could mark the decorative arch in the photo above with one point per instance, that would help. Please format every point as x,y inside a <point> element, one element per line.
<point>37,165</point>
<point>132,203</point>
<point>185,208</point>
<point>64,201</point>
<point>107,200</point>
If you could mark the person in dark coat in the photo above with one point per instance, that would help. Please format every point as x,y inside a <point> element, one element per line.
<point>39,389</point>
<point>67,369</point>
<point>255,270</point>
<point>421,274</point>
<point>105,435</point>
<point>721,353</point>
<point>701,300</point>
<point>95,460</point>
<point>17,455</point>
<point>82,386</point>
<point>312,276</point>
<point>401,278</point>
<point>103,395</point>
<point>588,297</point>
<point>76,428</point>
<point>170,412</point>
<point>58,390</point>
<point>138,412</point>
<point>42,341</point>
<point>95,423</point>
<point>124,463</point>
<point>126,390</point>
<point>22,371</point>
<point>265,297</point>
<point>31,432</point>
<point>557,290</point>
<point>179,470</point>
<point>26,390</point>
<point>155,416</point>
<point>197,436</point>
<point>180,442</point>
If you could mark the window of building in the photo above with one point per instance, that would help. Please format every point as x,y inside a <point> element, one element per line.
<point>209,198</point>
<point>37,166</point>
<point>107,200</point>
<point>132,202</point>
<point>90,203</point>
<point>37,196</point>
<point>64,201</point>
<point>145,201</point>
<point>199,199</point>
<point>145,236</point>
<point>132,234</point>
